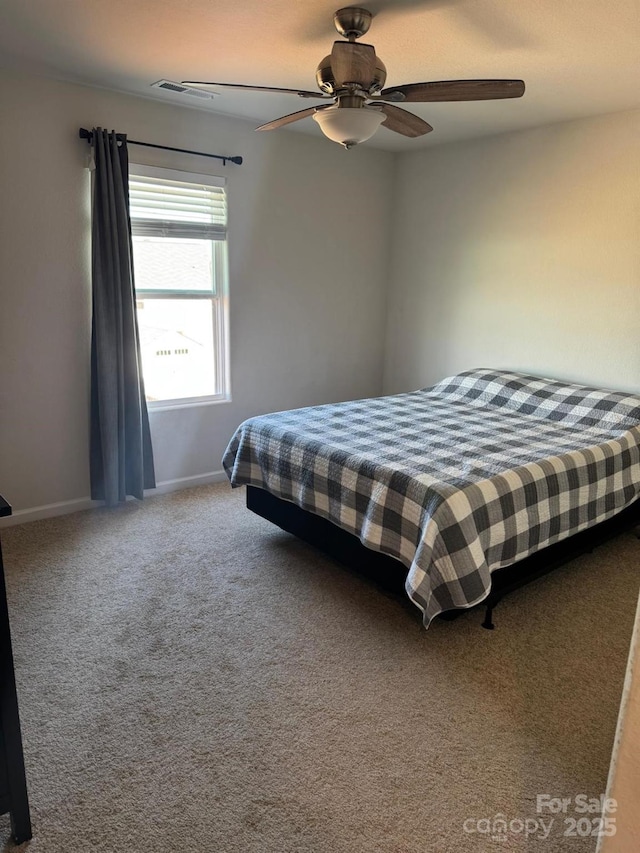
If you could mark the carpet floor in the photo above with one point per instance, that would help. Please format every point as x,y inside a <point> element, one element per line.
<point>191,678</point>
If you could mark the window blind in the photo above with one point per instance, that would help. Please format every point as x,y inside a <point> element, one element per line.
<point>166,208</point>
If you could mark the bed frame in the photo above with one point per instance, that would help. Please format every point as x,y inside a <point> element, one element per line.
<point>391,574</point>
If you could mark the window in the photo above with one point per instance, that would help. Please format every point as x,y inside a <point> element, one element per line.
<point>179,229</point>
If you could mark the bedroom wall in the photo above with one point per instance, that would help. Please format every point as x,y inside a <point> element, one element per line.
<point>521,251</point>
<point>623,788</point>
<point>308,262</point>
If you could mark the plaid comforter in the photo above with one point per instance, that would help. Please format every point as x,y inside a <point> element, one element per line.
<point>456,480</point>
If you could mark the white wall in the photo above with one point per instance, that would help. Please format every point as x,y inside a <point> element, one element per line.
<point>623,789</point>
<point>308,269</point>
<point>521,251</point>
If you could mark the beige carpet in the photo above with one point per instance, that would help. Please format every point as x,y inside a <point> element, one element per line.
<point>191,678</point>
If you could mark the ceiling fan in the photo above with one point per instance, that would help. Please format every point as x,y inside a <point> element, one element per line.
<point>352,77</point>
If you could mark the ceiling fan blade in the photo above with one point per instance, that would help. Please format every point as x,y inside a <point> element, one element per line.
<point>404,122</point>
<point>454,90</point>
<point>352,62</point>
<point>300,92</point>
<point>280,122</point>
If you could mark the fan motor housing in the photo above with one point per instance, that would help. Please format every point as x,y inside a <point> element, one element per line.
<point>380,76</point>
<point>327,83</point>
<point>324,76</point>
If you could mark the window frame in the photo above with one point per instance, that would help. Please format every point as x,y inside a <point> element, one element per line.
<point>218,296</point>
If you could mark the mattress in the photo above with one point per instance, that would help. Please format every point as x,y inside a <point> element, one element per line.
<point>457,480</point>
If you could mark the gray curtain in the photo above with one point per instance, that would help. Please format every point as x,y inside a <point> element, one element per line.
<point>121,453</point>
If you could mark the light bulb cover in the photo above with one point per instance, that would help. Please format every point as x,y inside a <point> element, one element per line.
<point>349,125</point>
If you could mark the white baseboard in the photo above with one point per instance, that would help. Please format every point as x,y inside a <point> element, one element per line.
<point>36,513</point>
<point>187,483</point>
<point>48,511</point>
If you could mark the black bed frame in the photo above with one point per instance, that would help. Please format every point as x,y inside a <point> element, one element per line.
<point>391,574</point>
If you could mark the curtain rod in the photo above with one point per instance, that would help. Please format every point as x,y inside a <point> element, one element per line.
<point>83,133</point>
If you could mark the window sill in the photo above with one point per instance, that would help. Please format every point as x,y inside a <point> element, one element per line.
<point>186,403</point>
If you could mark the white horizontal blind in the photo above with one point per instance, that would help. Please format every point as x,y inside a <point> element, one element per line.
<point>166,208</point>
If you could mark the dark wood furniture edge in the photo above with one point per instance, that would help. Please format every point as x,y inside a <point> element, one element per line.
<point>5,508</point>
<point>390,573</point>
<point>14,799</point>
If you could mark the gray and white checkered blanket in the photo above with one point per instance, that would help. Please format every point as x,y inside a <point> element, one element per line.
<point>456,480</point>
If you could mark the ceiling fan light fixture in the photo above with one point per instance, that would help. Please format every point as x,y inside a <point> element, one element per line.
<point>353,77</point>
<point>348,126</point>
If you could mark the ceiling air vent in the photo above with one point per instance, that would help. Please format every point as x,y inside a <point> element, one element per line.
<point>179,89</point>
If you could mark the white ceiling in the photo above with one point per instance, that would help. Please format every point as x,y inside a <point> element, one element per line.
<point>577,57</point>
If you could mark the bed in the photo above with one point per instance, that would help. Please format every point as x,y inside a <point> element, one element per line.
<point>456,482</point>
